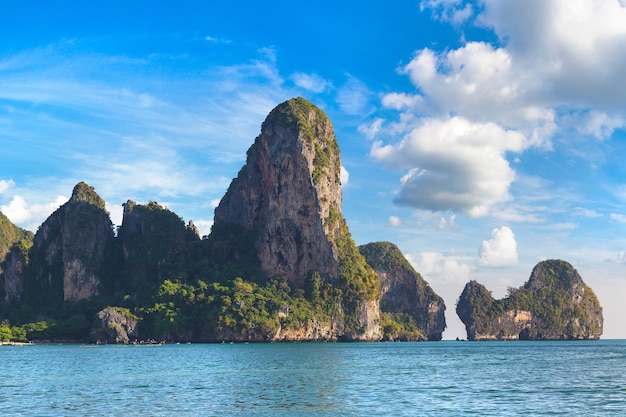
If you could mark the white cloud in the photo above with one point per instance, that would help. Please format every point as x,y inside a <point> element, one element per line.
<point>618,217</point>
<point>116,213</point>
<point>558,68</point>
<point>618,258</point>
<point>30,216</point>
<point>446,223</point>
<point>344,176</point>
<point>217,40</point>
<point>499,250</point>
<point>6,185</point>
<point>451,11</point>
<point>311,82</point>
<point>453,164</point>
<point>370,131</point>
<point>204,226</point>
<point>480,83</point>
<point>572,47</point>
<point>395,221</point>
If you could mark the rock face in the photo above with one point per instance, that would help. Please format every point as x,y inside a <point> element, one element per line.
<point>404,291</point>
<point>289,195</point>
<point>69,250</point>
<point>150,234</point>
<point>288,190</point>
<point>118,326</point>
<point>14,269</point>
<point>554,304</point>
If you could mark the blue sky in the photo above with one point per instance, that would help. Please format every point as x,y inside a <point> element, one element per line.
<point>479,136</point>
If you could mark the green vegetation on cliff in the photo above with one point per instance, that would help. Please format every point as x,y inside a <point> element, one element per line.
<point>410,309</point>
<point>10,234</point>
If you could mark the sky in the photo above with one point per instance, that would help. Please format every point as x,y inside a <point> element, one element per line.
<point>481,137</point>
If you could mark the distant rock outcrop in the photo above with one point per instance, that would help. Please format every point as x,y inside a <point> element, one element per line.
<point>554,304</point>
<point>404,293</point>
<point>118,325</point>
<point>69,250</point>
<point>289,195</point>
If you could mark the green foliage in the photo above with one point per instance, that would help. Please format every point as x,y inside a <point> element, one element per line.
<point>400,327</point>
<point>6,335</point>
<point>86,193</point>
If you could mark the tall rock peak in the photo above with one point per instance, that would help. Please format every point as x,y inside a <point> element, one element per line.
<point>86,193</point>
<point>288,198</point>
<point>290,191</point>
<point>69,248</point>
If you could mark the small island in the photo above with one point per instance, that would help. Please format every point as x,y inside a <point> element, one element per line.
<point>555,304</point>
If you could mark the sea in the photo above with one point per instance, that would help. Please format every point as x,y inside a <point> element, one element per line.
<point>447,378</point>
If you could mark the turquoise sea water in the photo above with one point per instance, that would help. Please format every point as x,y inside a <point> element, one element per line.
<point>357,379</point>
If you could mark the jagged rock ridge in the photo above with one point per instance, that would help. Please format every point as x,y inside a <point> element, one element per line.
<point>404,293</point>
<point>554,304</point>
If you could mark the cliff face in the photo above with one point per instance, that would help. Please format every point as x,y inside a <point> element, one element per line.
<point>404,291</point>
<point>289,195</point>
<point>554,304</point>
<point>69,250</point>
<point>150,235</point>
<point>287,191</point>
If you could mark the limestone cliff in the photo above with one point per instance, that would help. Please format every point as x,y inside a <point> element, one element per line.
<point>554,304</point>
<point>289,196</point>
<point>404,293</point>
<point>118,325</point>
<point>69,250</point>
<point>149,236</point>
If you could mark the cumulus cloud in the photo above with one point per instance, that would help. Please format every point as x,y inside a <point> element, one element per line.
<point>453,164</point>
<point>580,67</point>
<point>499,250</point>
<point>30,216</point>
<point>311,82</point>
<point>541,79</point>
